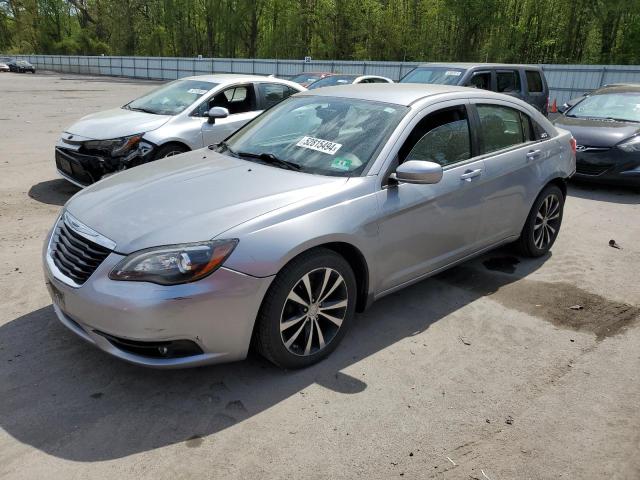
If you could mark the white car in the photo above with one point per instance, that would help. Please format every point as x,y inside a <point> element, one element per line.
<point>347,79</point>
<point>4,67</point>
<point>182,115</point>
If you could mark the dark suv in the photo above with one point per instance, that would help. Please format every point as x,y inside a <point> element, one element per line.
<point>525,82</point>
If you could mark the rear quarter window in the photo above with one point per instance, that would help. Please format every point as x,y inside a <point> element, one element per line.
<point>534,81</point>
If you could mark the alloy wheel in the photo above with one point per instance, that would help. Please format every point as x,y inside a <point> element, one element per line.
<point>172,153</point>
<point>313,311</point>
<point>547,222</point>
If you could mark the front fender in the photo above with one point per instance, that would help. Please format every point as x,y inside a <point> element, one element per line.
<point>269,242</point>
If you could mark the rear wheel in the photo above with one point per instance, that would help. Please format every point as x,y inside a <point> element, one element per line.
<point>307,309</point>
<point>543,223</point>
<point>170,150</point>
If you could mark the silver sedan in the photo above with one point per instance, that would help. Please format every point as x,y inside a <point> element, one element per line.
<point>330,200</point>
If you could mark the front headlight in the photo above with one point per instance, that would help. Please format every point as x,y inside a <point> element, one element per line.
<point>174,264</point>
<point>116,146</point>
<point>630,145</point>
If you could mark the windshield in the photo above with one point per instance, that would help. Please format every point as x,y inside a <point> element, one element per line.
<point>326,135</point>
<point>616,106</point>
<point>173,98</point>
<point>441,75</point>
<point>307,77</point>
<point>333,80</point>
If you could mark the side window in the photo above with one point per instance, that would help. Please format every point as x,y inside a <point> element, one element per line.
<point>273,93</point>
<point>500,127</point>
<point>238,99</point>
<point>527,127</point>
<point>534,81</point>
<point>481,80</point>
<point>378,80</point>
<point>539,133</point>
<point>508,81</point>
<point>442,137</point>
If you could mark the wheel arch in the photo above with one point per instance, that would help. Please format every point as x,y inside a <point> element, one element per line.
<point>360,268</point>
<point>356,260</point>
<point>560,182</point>
<point>174,142</point>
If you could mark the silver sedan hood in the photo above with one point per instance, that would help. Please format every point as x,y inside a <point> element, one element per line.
<point>115,123</point>
<point>188,198</point>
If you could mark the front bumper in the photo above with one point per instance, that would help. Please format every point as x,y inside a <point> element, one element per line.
<point>83,168</point>
<point>216,313</point>
<point>608,165</point>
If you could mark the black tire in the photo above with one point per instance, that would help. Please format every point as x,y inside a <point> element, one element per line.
<point>169,150</point>
<point>269,341</point>
<point>530,243</point>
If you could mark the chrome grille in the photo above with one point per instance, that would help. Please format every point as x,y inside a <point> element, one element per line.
<point>73,254</point>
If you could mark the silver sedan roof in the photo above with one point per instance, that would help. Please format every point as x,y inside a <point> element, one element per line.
<point>398,93</point>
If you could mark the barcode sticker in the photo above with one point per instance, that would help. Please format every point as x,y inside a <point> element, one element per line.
<point>324,146</point>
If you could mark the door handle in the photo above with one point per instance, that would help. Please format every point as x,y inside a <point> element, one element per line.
<point>469,175</point>
<point>534,154</point>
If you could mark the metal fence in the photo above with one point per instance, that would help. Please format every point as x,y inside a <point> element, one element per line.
<point>565,81</point>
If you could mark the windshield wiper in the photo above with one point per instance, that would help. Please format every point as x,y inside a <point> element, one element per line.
<point>271,159</point>
<point>613,119</point>
<point>135,109</point>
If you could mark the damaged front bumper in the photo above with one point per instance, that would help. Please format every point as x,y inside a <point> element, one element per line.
<point>79,161</point>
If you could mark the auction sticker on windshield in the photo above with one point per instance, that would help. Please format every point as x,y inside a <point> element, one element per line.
<point>324,146</point>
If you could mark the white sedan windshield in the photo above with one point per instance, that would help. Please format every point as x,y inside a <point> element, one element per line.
<point>173,98</point>
<point>326,135</point>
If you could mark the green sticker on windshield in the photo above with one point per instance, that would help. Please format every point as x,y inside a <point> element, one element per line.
<point>341,163</point>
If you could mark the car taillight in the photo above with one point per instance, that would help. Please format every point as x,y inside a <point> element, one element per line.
<point>573,145</point>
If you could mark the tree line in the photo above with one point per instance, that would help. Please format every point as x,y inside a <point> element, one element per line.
<point>531,31</point>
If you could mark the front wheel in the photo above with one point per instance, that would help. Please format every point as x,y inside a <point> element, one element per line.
<point>307,309</point>
<point>170,150</point>
<point>543,223</point>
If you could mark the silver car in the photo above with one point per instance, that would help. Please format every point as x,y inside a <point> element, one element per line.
<point>183,115</point>
<point>328,201</point>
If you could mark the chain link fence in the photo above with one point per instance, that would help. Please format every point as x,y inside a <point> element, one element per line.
<point>565,81</point>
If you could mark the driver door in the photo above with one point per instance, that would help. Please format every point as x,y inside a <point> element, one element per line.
<point>426,227</point>
<point>240,100</point>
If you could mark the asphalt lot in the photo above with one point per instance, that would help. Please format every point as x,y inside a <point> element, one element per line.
<point>482,372</point>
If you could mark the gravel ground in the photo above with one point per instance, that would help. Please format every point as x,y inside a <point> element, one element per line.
<point>483,372</point>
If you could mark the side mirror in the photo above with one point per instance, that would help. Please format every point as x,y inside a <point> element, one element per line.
<point>563,108</point>
<point>418,171</point>
<point>217,112</point>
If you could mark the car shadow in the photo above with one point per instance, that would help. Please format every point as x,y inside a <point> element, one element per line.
<point>70,400</point>
<point>605,193</point>
<point>53,192</point>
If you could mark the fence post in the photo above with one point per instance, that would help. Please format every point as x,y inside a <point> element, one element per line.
<point>603,75</point>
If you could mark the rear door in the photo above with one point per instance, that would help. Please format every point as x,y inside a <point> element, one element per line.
<point>271,93</point>
<point>508,81</point>
<point>515,151</point>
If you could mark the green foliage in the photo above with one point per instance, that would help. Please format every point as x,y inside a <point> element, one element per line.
<point>532,31</point>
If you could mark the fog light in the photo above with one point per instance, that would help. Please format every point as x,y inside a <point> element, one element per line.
<point>163,350</point>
